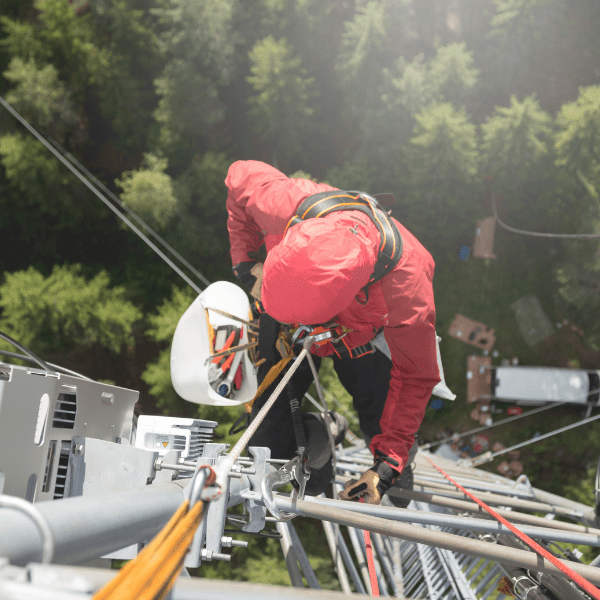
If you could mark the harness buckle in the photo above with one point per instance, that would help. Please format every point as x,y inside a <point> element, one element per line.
<point>296,472</point>
<point>319,333</point>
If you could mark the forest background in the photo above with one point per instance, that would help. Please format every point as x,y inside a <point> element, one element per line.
<point>441,102</point>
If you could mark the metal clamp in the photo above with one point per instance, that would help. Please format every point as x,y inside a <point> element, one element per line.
<point>519,581</point>
<point>319,337</point>
<point>48,543</point>
<point>297,473</point>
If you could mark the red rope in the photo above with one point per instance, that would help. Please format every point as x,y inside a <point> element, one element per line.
<point>592,590</point>
<point>371,562</point>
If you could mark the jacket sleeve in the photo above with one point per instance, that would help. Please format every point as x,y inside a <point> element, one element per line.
<point>260,202</point>
<point>414,375</point>
<point>410,334</point>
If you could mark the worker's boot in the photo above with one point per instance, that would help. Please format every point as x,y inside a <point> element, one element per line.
<point>403,482</point>
<point>318,448</point>
<point>339,427</point>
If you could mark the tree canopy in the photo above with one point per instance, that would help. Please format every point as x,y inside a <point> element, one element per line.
<point>441,103</point>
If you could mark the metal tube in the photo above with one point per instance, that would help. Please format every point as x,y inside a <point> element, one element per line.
<point>383,591</point>
<point>498,500</point>
<point>413,533</point>
<point>385,561</point>
<point>464,505</point>
<point>444,520</point>
<point>305,565</point>
<point>361,559</point>
<point>338,563</point>
<point>87,527</point>
<point>290,556</point>
<point>476,485</point>
<point>358,552</point>
<point>395,552</point>
<point>348,561</point>
<point>58,582</point>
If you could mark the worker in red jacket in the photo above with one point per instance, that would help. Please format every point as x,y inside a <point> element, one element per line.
<point>318,270</point>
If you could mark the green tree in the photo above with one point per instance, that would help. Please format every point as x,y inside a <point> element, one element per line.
<point>40,97</point>
<point>578,285</point>
<point>162,328</point>
<point>127,98</point>
<point>355,174</point>
<point>53,315</point>
<point>444,154</point>
<point>441,165</point>
<point>281,107</point>
<point>58,36</point>
<point>199,42</point>
<point>362,44</point>
<point>577,141</point>
<point>516,141</point>
<point>149,191</point>
<point>452,74</point>
<point>199,228</point>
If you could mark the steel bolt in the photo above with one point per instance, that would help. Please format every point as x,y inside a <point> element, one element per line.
<point>78,450</point>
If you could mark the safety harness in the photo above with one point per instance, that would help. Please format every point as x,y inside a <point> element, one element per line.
<point>389,251</point>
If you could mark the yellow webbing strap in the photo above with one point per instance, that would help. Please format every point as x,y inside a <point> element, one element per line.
<point>211,332</point>
<point>151,575</point>
<point>285,350</point>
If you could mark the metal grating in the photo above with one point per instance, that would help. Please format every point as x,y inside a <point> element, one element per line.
<point>65,411</point>
<point>62,470</point>
<point>198,437</point>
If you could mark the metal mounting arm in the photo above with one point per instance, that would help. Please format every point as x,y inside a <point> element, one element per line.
<point>297,473</point>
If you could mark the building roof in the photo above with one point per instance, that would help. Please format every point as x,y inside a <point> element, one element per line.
<point>479,378</point>
<point>484,238</point>
<point>533,323</point>
<point>472,332</point>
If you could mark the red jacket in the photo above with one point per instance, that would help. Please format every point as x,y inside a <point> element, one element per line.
<point>315,272</point>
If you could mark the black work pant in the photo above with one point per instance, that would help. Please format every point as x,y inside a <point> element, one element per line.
<point>366,379</point>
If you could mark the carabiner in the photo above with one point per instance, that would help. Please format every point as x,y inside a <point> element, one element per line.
<point>296,472</point>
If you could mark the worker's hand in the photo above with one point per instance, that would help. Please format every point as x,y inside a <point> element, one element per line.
<point>250,275</point>
<point>373,484</point>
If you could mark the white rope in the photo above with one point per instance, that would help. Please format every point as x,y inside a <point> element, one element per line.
<point>225,466</point>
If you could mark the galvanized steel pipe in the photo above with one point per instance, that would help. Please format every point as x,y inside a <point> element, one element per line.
<point>420,535</point>
<point>87,527</point>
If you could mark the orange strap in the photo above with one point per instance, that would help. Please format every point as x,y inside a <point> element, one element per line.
<point>285,351</point>
<point>153,572</point>
<point>272,375</point>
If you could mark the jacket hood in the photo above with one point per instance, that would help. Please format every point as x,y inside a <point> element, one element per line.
<point>318,268</point>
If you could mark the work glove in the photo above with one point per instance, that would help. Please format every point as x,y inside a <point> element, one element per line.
<point>373,484</point>
<point>250,275</point>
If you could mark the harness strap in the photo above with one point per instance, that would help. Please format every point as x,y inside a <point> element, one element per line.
<point>343,351</point>
<point>390,248</point>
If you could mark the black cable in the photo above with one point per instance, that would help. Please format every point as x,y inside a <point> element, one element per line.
<point>534,233</point>
<point>29,353</point>
<point>118,201</point>
<point>98,194</point>
<point>241,522</point>
<point>502,422</point>
<point>296,417</point>
<point>57,367</point>
<point>265,534</point>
